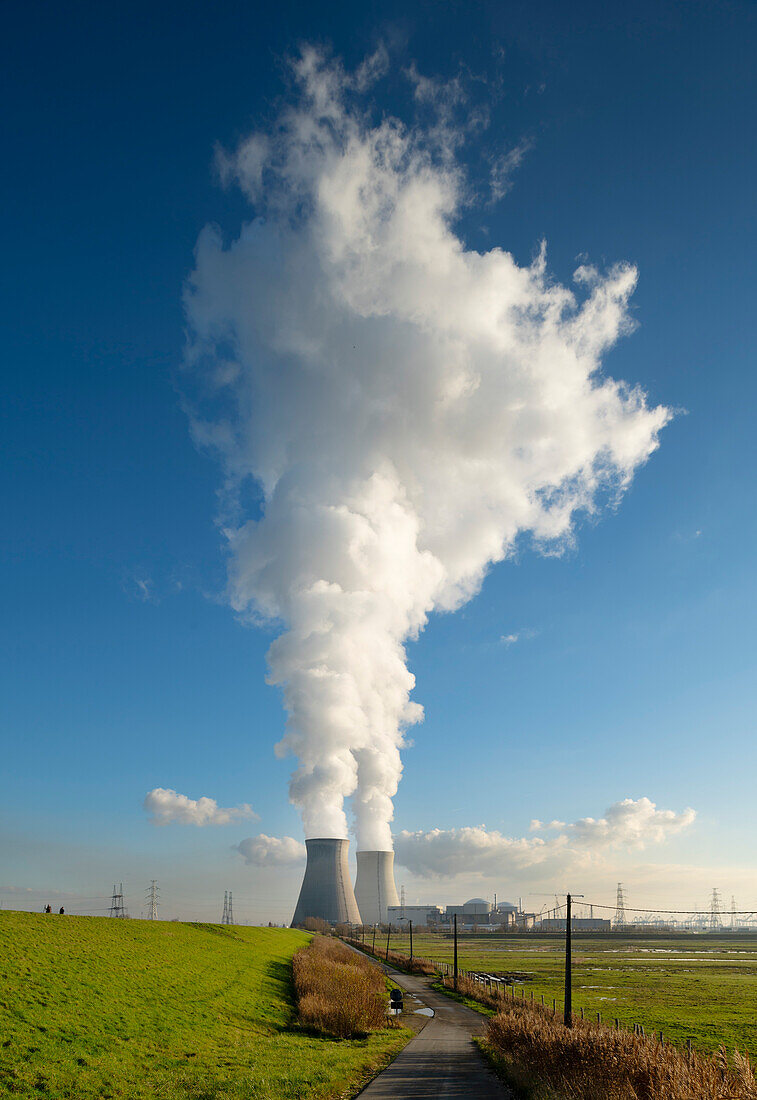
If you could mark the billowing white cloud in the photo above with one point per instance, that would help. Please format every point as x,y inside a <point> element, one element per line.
<point>271,851</point>
<point>406,411</point>
<point>632,824</point>
<point>477,851</point>
<point>167,807</point>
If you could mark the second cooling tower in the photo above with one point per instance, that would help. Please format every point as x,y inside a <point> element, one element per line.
<point>326,890</point>
<point>374,888</point>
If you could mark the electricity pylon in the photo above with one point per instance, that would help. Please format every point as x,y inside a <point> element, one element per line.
<point>117,902</point>
<point>620,907</point>
<point>152,899</point>
<point>715,911</point>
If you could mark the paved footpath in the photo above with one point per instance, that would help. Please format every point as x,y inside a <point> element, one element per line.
<point>442,1061</point>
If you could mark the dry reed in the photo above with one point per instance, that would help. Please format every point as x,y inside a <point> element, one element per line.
<point>338,992</point>
<point>594,1062</point>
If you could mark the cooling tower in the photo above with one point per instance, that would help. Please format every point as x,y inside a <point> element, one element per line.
<point>326,890</point>
<point>374,888</point>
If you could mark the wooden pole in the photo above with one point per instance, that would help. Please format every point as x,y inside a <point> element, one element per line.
<point>411,943</point>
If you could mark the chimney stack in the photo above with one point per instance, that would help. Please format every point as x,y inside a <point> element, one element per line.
<point>374,889</point>
<point>326,890</point>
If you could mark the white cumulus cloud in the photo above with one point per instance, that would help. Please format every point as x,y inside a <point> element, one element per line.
<point>476,850</point>
<point>271,851</point>
<point>168,807</point>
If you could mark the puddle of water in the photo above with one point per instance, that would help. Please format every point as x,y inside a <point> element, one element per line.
<point>424,1011</point>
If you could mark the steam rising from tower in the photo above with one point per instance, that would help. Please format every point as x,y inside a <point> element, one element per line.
<point>403,409</point>
<point>326,890</point>
<point>374,886</point>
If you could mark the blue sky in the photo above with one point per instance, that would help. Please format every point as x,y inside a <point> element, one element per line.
<point>125,669</point>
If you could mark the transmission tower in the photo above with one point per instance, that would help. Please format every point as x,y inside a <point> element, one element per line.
<point>230,913</point>
<point>152,894</point>
<point>117,902</point>
<point>733,912</point>
<point>402,900</point>
<point>715,911</point>
<point>620,907</point>
<point>225,917</point>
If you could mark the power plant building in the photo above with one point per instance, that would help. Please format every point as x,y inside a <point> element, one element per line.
<point>375,891</point>
<point>326,891</point>
<point>422,916</point>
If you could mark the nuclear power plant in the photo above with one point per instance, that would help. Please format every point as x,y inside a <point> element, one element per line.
<point>374,887</point>
<point>326,890</point>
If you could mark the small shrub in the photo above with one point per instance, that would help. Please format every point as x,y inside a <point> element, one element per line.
<point>338,992</point>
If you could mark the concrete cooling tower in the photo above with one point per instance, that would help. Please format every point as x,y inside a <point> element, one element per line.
<point>326,890</point>
<point>374,888</point>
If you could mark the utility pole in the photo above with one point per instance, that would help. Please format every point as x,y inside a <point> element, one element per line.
<point>568,1009</point>
<point>454,920</point>
<point>230,914</point>
<point>373,948</point>
<point>152,899</point>
<point>411,943</point>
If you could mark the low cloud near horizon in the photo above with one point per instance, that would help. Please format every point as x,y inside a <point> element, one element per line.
<point>167,807</point>
<point>475,850</point>
<point>271,851</point>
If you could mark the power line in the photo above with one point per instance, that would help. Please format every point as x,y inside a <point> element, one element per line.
<point>671,912</point>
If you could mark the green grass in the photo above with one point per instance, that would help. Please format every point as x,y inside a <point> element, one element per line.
<point>95,1007</point>
<point>702,987</point>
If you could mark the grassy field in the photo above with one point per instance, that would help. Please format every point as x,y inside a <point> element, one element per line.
<point>702,987</point>
<point>95,1007</point>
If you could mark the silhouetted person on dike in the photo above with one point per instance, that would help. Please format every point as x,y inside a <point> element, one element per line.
<point>48,908</point>
<point>61,910</point>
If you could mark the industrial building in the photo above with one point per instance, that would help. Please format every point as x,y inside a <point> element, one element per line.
<point>422,916</point>
<point>577,924</point>
<point>476,913</point>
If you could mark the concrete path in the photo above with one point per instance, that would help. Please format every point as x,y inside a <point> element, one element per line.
<point>442,1061</point>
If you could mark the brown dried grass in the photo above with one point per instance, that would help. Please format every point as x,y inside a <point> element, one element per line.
<point>338,992</point>
<point>403,962</point>
<point>594,1062</point>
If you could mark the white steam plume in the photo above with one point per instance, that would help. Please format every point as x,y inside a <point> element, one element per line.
<point>406,407</point>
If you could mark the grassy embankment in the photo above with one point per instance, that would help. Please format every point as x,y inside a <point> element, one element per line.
<point>95,1007</point>
<point>698,987</point>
